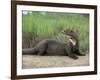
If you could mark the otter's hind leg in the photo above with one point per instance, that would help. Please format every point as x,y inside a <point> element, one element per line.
<point>42,51</point>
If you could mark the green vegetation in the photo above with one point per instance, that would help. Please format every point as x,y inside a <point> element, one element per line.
<point>50,24</point>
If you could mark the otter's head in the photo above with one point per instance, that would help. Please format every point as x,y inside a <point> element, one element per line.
<point>73,37</point>
<point>70,33</point>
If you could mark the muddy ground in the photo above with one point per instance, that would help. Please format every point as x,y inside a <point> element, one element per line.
<point>33,61</point>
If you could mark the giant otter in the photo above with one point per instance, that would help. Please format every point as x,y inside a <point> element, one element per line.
<point>53,47</point>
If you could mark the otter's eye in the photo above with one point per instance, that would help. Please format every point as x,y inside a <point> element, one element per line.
<point>71,31</point>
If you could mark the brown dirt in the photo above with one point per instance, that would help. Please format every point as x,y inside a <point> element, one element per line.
<point>33,61</point>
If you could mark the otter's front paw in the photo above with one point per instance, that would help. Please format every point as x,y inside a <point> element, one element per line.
<point>82,55</point>
<point>73,56</point>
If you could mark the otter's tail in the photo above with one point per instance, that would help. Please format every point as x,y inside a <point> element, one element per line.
<point>29,51</point>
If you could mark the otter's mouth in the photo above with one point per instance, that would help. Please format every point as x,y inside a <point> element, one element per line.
<point>69,37</point>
